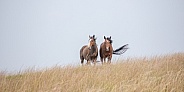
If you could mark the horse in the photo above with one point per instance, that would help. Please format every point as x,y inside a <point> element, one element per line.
<point>89,52</point>
<point>106,50</point>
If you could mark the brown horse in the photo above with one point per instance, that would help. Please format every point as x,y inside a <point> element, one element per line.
<point>89,52</point>
<point>106,50</point>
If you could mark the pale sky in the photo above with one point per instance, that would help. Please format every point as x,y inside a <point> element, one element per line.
<point>43,33</point>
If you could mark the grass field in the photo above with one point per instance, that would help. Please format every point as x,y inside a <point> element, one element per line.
<point>155,74</point>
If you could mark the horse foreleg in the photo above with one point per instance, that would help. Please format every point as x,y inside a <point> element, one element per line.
<point>82,61</point>
<point>88,62</point>
<point>101,59</point>
<point>94,62</point>
<point>109,59</point>
<point>104,60</point>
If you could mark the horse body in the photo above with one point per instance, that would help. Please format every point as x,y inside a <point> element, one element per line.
<point>89,52</point>
<point>106,50</point>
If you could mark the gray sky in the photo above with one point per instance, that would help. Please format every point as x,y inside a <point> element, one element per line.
<point>43,33</point>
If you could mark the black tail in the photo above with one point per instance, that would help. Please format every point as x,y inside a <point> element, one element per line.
<point>121,50</point>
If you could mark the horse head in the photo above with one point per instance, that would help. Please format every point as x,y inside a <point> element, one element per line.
<point>108,43</point>
<point>92,41</point>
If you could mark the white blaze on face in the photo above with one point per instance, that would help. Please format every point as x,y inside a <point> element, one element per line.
<point>89,44</point>
<point>107,41</point>
<point>107,46</point>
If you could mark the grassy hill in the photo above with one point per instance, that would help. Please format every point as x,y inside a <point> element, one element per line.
<point>157,74</point>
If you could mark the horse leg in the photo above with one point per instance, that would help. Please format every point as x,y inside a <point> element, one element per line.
<point>82,60</point>
<point>94,61</point>
<point>101,59</point>
<point>88,62</point>
<point>104,60</point>
<point>109,59</point>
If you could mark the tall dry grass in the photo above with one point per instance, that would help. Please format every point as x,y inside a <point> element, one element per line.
<point>156,74</point>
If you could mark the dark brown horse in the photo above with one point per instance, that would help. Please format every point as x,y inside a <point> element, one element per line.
<point>89,52</point>
<point>106,50</point>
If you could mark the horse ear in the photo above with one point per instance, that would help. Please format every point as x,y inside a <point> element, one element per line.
<point>104,37</point>
<point>110,37</point>
<point>89,36</point>
<point>93,36</point>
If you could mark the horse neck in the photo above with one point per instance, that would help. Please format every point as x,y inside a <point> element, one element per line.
<point>93,49</point>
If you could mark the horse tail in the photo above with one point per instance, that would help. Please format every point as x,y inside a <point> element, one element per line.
<point>121,50</point>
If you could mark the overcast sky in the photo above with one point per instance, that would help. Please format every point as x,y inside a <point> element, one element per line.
<point>43,33</point>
